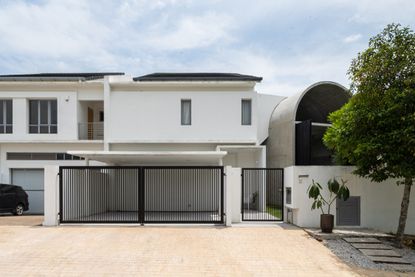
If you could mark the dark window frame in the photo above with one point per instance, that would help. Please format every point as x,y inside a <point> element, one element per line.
<point>245,121</point>
<point>37,125</point>
<point>6,123</point>
<point>183,120</point>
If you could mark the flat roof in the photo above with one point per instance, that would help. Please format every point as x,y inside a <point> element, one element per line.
<point>75,76</point>
<point>153,157</point>
<point>197,76</point>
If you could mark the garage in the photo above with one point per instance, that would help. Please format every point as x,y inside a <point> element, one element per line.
<point>129,194</point>
<point>32,181</point>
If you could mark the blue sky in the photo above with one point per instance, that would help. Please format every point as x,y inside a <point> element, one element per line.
<point>290,43</point>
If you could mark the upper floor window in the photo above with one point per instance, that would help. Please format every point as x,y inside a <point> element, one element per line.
<point>43,117</point>
<point>186,112</point>
<point>6,117</point>
<point>246,112</point>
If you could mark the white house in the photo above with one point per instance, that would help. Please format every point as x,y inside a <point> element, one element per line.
<point>176,147</point>
<point>198,119</point>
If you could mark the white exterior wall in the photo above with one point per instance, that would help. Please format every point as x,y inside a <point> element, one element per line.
<point>154,116</point>
<point>380,202</point>
<point>7,165</point>
<point>67,115</point>
<point>137,118</point>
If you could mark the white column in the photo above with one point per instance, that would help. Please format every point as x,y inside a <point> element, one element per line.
<point>228,195</point>
<point>233,195</point>
<point>20,118</point>
<point>107,112</point>
<point>51,196</point>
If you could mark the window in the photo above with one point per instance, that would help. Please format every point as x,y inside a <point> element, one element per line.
<point>40,156</point>
<point>43,117</point>
<point>186,112</point>
<point>6,117</point>
<point>246,111</point>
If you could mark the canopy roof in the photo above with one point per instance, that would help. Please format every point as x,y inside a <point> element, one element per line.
<point>153,157</point>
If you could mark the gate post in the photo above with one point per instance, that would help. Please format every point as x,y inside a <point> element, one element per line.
<point>51,202</point>
<point>233,195</point>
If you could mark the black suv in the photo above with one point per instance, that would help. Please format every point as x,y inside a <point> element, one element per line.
<point>13,199</point>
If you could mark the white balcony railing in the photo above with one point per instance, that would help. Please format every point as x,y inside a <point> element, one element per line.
<point>91,130</point>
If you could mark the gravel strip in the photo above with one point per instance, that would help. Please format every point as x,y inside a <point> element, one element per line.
<point>354,257</point>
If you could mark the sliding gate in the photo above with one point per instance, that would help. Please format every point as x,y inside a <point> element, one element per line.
<point>141,194</point>
<point>262,194</point>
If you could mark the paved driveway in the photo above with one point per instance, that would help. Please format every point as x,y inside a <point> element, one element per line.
<point>279,250</point>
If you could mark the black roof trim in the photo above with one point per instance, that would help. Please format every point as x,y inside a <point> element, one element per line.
<point>58,76</point>
<point>200,76</point>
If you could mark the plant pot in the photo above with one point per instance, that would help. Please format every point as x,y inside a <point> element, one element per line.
<point>326,223</point>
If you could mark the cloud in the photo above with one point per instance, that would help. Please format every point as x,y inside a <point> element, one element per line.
<point>352,38</point>
<point>288,43</point>
<point>191,32</point>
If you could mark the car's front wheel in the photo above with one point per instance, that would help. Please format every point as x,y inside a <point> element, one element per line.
<point>19,209</point>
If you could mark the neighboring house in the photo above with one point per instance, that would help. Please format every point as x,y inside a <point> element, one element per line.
<point>296,129</point>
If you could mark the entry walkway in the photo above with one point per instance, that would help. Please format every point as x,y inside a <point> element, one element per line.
<point>272,250</point>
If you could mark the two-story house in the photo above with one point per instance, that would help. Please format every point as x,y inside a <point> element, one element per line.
<point>177,148</point>
<point>113,119</point>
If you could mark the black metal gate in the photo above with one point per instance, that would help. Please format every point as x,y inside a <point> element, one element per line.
<point>262,194</point>
<point>123,194</point>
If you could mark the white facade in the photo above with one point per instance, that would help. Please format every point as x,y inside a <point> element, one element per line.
<point>380,203</point>
<point>115,113</point>
<point>118,121</point>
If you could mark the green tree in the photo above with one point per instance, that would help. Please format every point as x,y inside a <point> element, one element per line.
<point>375,130</point>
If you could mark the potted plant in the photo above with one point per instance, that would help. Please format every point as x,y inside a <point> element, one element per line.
<point>336,190</point>
<point>254,202</point>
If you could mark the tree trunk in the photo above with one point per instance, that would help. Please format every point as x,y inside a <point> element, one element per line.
<point>404,210</point>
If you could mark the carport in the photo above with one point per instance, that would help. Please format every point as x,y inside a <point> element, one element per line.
<point>143,187</point>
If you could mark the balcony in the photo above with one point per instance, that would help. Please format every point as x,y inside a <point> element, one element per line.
<point>91,120</point>
<point>91,130</point>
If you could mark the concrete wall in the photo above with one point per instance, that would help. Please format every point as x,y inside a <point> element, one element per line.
<point>266,105</point>
<point>380,202</point>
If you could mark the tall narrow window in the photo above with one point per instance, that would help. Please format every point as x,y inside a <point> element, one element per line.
<point>246,111</point>
<point>186,112</point>
<point>43,117</point>
<point>6,117</point>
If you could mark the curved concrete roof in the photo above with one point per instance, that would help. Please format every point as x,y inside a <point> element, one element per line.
<point>328,96</point>
<point>316,102</point>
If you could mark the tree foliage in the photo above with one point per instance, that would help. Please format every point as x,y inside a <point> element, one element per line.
<point>375,130</point>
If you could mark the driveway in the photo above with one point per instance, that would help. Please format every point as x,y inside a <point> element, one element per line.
<point>269,250</point>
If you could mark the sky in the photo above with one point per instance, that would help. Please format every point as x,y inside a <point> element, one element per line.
<point>291,44</point>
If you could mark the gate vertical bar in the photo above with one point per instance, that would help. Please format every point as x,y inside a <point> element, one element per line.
<point>142,195</point>
<point>222,192</point>
<point>60,194</point>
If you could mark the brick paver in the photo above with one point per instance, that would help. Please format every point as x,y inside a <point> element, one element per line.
<point>279,250</point>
